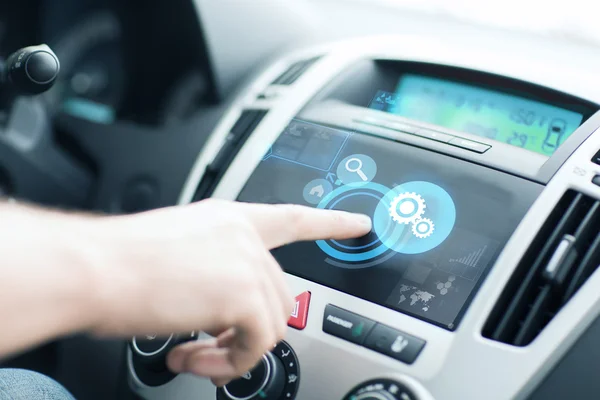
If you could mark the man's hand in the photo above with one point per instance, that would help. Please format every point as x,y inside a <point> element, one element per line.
<point>207,266</point>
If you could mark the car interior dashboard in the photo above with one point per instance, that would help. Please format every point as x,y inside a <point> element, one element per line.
<point>477,157</point>
<point>480,179</point>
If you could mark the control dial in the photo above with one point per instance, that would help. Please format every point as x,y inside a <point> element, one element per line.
<point>151,350</point>
<point>265,381</point>
<point>381,389</point>
<point>149,356</point>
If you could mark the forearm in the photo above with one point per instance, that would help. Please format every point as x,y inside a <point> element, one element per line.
<point>49,282</point>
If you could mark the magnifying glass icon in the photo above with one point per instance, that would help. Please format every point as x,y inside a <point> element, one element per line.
<point>357,169</point>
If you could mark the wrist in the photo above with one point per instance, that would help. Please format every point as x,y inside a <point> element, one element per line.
<point>53,273</point>
<point>90,251</point>
<point>82,268</point>
<point>83,250</point>
<point>109,280</point>
<point>117,263</point>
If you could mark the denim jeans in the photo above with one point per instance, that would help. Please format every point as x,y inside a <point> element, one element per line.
<point>19,384</point>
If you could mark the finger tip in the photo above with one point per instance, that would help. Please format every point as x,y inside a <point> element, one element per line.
<point>220,382</point>
<point>211,363</point>
<point>174,362</point>
<point>364,222</point>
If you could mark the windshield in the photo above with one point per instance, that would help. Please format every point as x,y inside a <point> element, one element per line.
<point>559,19</point>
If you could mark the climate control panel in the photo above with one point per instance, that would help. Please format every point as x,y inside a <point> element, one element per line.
<point>149,354</point>
<point>275,377</point>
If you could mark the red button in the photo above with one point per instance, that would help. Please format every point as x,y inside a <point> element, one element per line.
<point>300,314</point>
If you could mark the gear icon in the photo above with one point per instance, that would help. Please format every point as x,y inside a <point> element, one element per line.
<point>423,228</point>
<point>407,207</point>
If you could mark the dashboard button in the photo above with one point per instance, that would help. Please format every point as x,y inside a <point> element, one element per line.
<point>372,121</point>
<point>469,145</point>
<point>394,343</point>
<point>433,135</point>
<point>402,127</point>
<point>396,126</point>
<point>299,316</point>
<point>346,325</point>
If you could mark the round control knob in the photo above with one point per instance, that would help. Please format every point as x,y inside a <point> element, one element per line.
<point>41,67</point>
<point>265,382</point>
<point>149,356</point>
<point>381,389</point>
<point>150,345</point>
<point>32,70</point>
<point>151,350</point>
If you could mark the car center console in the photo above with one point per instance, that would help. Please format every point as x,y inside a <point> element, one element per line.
<point>480,178</point>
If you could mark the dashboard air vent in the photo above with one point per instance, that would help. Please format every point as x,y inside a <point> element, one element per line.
<point>238,135</point>
<point>294,72</point>
<point>562,256</point>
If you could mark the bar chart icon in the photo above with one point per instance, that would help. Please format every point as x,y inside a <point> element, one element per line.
<point>471,259</point>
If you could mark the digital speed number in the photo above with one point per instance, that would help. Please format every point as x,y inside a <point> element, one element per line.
<point>555,129</point>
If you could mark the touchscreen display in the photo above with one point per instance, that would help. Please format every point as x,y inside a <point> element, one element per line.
<point>529,124</point>
<point>438,223</point>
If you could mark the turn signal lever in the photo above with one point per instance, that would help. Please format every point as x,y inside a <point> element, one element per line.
<point>33,166</point>
<point>28,71</point>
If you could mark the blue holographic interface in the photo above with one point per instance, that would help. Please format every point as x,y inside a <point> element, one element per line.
<point>438,222</point>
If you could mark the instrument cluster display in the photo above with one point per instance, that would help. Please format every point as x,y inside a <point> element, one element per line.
<point>510,119</point>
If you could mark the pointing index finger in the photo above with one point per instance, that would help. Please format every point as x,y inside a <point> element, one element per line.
<point>281,224</point>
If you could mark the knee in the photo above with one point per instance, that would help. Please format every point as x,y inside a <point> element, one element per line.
<point>19,384</point>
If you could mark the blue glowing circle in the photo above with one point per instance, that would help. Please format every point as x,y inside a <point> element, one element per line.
<point>440,209</point>
<point>397,237</point>
<point>356,169</point>
<point>335,203</point>
<point>385,231</point>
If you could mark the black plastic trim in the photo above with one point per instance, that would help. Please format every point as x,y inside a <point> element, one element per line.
<point>563,255</point>
<point>295,71</point>
<point>240,132</point>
